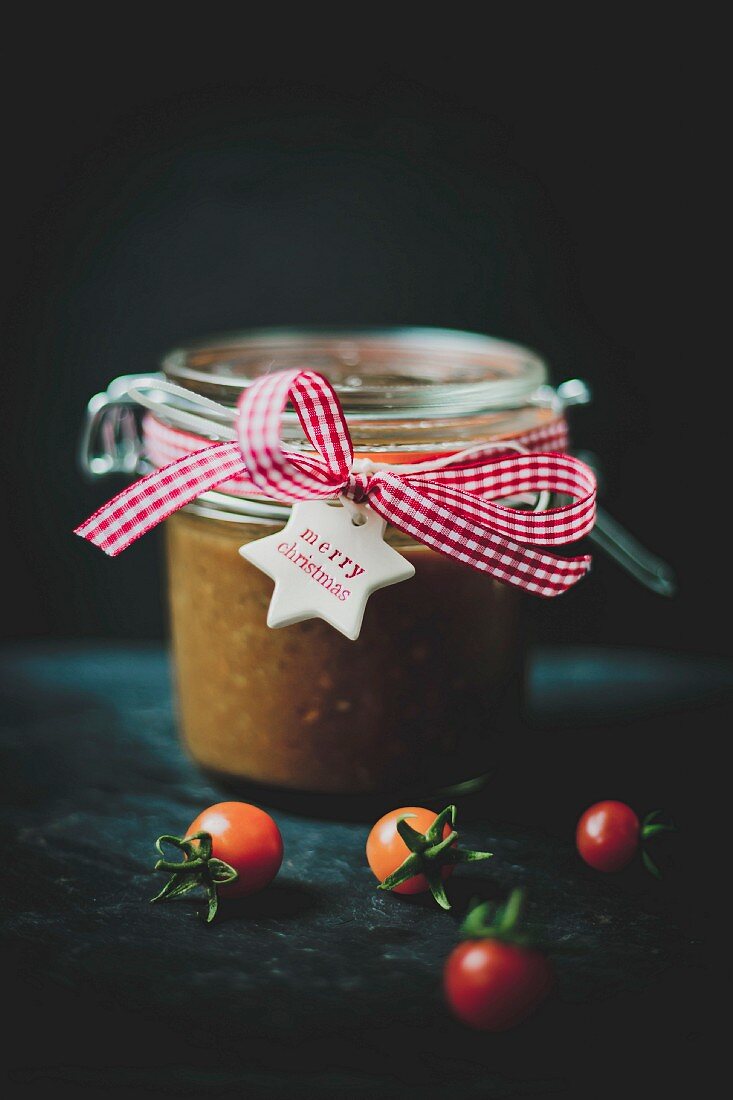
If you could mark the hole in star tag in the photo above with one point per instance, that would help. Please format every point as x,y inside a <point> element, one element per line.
<point>326,562</point>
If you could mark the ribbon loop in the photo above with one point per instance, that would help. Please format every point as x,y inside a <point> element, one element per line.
<point>286,475</point>
<point>452,504</point>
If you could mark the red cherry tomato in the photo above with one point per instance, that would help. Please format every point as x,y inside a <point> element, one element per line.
<point>247,839</point>
<point>386,850</point>
<point>492,985</point>
<point>608,835</point>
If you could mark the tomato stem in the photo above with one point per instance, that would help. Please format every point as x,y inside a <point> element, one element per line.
<point>429,852</point>
<point>198,868</point>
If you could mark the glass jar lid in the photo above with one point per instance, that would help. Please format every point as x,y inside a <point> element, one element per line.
<point>404,373</point>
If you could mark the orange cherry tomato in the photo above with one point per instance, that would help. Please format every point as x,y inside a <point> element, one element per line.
<point>386,850</point>
<point>247,839</point>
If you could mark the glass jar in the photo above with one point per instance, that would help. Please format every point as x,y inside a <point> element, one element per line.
<point>422,700</point>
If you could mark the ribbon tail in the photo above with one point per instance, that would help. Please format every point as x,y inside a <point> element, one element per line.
<point>149,501</point>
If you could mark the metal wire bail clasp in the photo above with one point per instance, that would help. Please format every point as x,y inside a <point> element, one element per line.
<point>111,441</point>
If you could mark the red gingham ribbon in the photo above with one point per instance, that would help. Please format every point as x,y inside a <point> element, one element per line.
<point>451,507</point>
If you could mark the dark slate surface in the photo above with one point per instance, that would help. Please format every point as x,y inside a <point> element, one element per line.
<point>321,986</point>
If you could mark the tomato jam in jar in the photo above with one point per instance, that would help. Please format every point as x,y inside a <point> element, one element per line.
<point>421,700</point>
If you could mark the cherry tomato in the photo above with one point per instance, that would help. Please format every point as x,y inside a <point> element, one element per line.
<point>247,839</point>
<point>492,985</point>
<point>608,835</point>
<point>386,850</point>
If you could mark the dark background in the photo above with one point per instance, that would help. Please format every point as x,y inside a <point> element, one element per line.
<point>558,193</point>
<point>559,199</point>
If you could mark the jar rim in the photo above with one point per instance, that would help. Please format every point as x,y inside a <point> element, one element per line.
<point>382,372</point>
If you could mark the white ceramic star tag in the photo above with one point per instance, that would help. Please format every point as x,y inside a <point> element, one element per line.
<point>326,564</point>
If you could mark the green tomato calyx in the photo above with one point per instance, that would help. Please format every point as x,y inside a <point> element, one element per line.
<point>650,827</point>
<point>198,868</point>
<point>429,852</point>
<point>497,921</point>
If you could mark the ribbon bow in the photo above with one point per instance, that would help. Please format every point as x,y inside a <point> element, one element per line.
<point>449,505</point>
